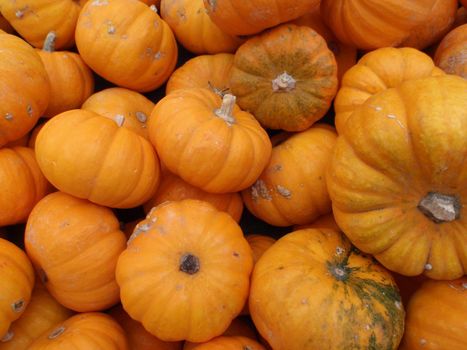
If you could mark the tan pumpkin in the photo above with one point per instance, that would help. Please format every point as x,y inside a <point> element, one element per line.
<point>292,188</point>
<point>451,53</point>
<point>204,71</point>
<point>127,43</point>
<point>74,246</point>
<point>126,107</point>
<point>286,77</point>
<point>377,71</point>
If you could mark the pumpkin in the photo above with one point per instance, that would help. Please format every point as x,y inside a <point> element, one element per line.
<point>34,19</point>
<point>185,253</point>
<point>43,312</point>
<point>436,316</point>
<point>71,81</point>
<point>17,276</point>
<point>33,135</point>
<point>190,126</point>
<point>286,77</point>
<point>313,290</point>
<point>147,2</point>
<point>252,17</point>
<point>324,221</point>
<point>398,177</point>
<point>91,157</point>
<point>461,17</point>
<point>126,107</point>
<point>85,331</point>
<point>292,188</point>
<point>21,142</point>
<point>138,337</point>
<point>194,29</point>
<point>25,88</point>
<point>230,343</point>
<point>377,71</point>
<point>450,55</point>
<point>173,188</point>
<point>74,246</point>
<point>372,24</point>
<point>23,184</point>
<point>127,43</point>
<point>204,71</point>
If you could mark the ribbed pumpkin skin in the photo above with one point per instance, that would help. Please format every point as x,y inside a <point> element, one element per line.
<point>22,182</point>
<point>230,343</point>
<point>395,150</point>
<point>74,246</point>
<point>185,253</point>
<point>86,331</point>
<point>33,19</point>
<point>42,312</point>
<point>313,290</point>
<point>303,56</point>
<point>114,102</point>
<point>436,316</point>
<point>371,24</point>
<point>450,55</point>
<point>24,75</point>
<point>204,71</point>
<point>292,188</point>
<point>251,17</point>
<point>377,71</point>
<point>127,43</point>
<point>91,157</point>
<point>17,276</point>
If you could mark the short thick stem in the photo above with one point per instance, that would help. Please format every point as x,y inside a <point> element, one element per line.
<point>284,82</point>
<point>189,264</point>
<point>440,207</point>
<point>49,43</point>
<point>225,112</point>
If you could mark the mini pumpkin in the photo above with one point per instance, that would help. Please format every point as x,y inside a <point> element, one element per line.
<point>450,55</point>
<point>286,77</point>
<point>230,343</point>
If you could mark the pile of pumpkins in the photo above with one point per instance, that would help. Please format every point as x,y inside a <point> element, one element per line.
<point>133,133</point>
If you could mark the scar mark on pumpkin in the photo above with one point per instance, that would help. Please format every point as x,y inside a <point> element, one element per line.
<point>284,192</point>
<point>392,116</point>
<point>260,190</point>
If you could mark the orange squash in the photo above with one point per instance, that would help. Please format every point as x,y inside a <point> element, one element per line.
<point>230,343</point>
<point>74,246</point>
<point>324,221</point>
<point>450,55</point>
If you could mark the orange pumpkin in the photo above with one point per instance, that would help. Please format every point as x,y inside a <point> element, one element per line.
<point>33,135</point>
<point>126,107</point>
<point>190,126</point>
<point>25,88</point>
<point>91,157</point>
<point>324,221</point>
<point>313,290</point>
<point>43,312</point>
<point>185,253</point>
<point>230,343</point>
<point>23,184</point>
<point>194,28</point>
<point>204,71</point>
<point>71,81</point>
<point>292,188</point>
<point>398,177</point>
<point>286,77</point>
<point>436,316</point>
<point>377,71</point>
<point>450,55</point>
<point>17,276</point>
<point>251,17</point>
<point>147,2</point>
<point>93,330</point>
<point>74,246</point>
<point>127,43</point>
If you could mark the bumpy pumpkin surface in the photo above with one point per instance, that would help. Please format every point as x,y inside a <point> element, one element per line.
<point>185,253</point>
<point>286,77</point>
<point>451,54</point>
<point>398,178</point>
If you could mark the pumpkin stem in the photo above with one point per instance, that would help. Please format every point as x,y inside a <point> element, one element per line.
<point>189,264</point>
<point>56,332</point>
<point>225,112</point>
<point>283,82</point>
<point>49,43</point>
<point>339,271</point>
<point>440,207</point>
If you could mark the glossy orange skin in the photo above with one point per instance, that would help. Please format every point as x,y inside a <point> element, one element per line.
<point>23,184</point>
<point>138,54</point>
<point>292,188</point>
<point>394,150</point>
<point>17,276</point>
<point>85,331</point>
<point>91,157</point>
<point>157,292</point>
<point>22,71</point>
<point>450,54</point>
<point>230,343</point>
<point>74,246</point>
<point>377,71</point>
<point>186,132</point>
<point>436,316</point>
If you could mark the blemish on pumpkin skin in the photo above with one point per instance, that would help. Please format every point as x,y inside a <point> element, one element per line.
<point>428,267</point>
<point>284,192</point>
<point>8,336</point>
<point>9,116</point>
<point>260,190</point>
<point>235,254</point>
